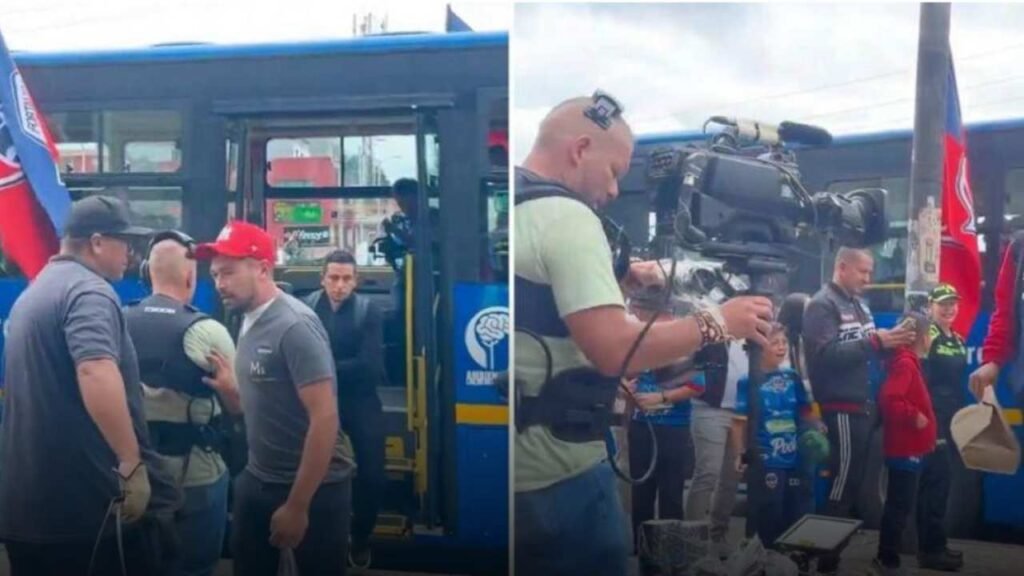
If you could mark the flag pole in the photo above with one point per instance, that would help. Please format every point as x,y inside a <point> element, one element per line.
<point>926,169</point>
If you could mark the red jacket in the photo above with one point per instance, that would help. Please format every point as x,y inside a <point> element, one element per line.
<point>904,395</point>
<point>999,346</point>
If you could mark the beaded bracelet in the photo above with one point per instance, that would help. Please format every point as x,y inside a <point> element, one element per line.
<point>711,326</point>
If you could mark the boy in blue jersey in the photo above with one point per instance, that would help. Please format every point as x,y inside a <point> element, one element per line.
<point>663,400</point>
<point>784,411</point>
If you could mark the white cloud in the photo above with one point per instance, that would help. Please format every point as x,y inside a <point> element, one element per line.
<point>48,25</point>
<point>850,68</point>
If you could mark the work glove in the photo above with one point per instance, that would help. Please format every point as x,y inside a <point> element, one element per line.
<point>135,492</point>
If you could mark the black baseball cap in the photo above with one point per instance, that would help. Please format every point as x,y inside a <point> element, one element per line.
<point>101,215</point>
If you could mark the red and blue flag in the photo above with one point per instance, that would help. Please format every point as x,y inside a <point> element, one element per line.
<point>959,259</point>
<point>34,203</point>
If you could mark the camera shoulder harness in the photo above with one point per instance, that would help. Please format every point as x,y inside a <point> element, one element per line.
<point>575,404</point>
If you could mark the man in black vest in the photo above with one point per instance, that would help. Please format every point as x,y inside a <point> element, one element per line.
<point>353,324</point>
<point>179,347</point>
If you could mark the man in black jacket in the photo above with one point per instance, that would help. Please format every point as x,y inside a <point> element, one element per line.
<point>354,326</point>
<point>840,341</point>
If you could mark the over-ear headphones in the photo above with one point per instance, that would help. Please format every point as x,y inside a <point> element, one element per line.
<point>180,237</point>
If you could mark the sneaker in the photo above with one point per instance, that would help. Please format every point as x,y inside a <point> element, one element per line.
<point>943,561</point>
<point>359,557</point>
<point>879,569</point>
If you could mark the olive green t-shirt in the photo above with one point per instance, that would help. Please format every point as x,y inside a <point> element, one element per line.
<point>561,243</point>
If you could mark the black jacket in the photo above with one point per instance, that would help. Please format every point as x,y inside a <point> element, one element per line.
<point>356,335</point>
<point>839,340</point>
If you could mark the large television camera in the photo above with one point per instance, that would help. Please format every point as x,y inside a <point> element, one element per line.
<point>740,192</point>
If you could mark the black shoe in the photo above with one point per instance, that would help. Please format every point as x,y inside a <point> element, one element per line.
<point>360,557</point>
<point>944,561</point>
<point>880,569</point>
<point>954,553</point>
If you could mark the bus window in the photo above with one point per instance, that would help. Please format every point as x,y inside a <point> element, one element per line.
<point>381,160</point>
<point>77,138</point>
<point>231,166</point>
<point>306,230</point>
<point>1014,195</point>
<point>304,162</point>
<point>142,141</point>
<point>156,207</point>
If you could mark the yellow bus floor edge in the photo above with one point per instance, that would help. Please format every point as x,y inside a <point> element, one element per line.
<point>486,414</point>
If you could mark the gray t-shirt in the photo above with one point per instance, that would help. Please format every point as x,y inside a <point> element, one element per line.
<point>58,476</point>
<point>285,349</point>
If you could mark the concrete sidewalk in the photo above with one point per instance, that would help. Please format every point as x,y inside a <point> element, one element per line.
<point>980,558</point>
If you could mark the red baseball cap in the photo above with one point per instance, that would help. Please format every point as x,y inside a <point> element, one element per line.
<point>240,239</point>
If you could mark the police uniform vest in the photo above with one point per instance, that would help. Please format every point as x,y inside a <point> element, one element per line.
<point>575,404</point>
<point>157,326</point>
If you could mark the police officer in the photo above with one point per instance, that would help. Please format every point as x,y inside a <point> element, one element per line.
<point>945,369</point>
<point>179,347</point>
<point>568,516</point>
<point>841,342</point>
<point>353,324</point>
<point>75,449</point>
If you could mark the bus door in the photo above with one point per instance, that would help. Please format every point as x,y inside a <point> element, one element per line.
<point>320,183</point>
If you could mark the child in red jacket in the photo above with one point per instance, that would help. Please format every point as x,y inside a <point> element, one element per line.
<point>909,433</point>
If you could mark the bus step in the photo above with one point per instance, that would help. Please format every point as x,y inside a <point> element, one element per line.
<point>393,525</point>
<point>400,465</point>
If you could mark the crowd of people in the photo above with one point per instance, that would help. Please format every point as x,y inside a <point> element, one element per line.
<point>124,422</point>
<point>920,366</point>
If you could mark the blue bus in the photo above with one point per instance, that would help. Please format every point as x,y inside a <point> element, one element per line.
<point>981,505</point>
<point>306,139</point>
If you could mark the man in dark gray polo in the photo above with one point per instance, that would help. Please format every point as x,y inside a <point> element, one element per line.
<point>295,492</point>
<point>76,457</point>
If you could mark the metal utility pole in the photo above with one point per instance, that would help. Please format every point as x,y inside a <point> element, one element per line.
<point>924,202</point>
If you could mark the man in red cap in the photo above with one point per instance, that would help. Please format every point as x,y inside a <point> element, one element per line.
<point>295,492</point>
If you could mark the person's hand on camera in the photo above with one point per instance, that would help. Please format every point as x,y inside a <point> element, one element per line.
<point>645,273</point>
<point>135,490</point>
<point>984,377</point>
<point>748,317</point>
<point>895,338</point>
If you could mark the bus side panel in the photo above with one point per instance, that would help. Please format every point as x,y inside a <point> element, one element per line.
<point>127,290</point>
<point>481,352</point>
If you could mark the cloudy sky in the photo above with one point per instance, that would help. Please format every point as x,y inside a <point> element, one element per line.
<point>849,68</point>
<point>45,25</point>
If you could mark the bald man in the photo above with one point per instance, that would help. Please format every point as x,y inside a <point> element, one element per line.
<point>568,516</point>
<point>841,341</point>
<point>182,354</point>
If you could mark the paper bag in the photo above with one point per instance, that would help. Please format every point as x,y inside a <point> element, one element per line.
<point>985,441</point>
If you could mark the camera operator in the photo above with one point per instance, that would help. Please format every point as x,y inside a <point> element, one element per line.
<point>568,516</point>
<point>840,341</point>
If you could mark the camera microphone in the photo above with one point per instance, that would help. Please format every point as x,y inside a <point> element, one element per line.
<point>805,134</point>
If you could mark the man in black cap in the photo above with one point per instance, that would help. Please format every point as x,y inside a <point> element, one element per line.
<point>74,450</point>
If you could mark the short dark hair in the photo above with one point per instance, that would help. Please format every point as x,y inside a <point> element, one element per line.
<point>405,187</point>
<point>339,257</point>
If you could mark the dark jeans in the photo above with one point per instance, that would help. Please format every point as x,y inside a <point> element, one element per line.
<point>932,496</point>
<point>899,501</point>
<point>668,480</point>
<point>150,549</point>
<point>201,524</point>
<point>849,439</point>
<point>783,502</point>
<point>573,527</point>
<point>323,551</point>
<point>363,422</point>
